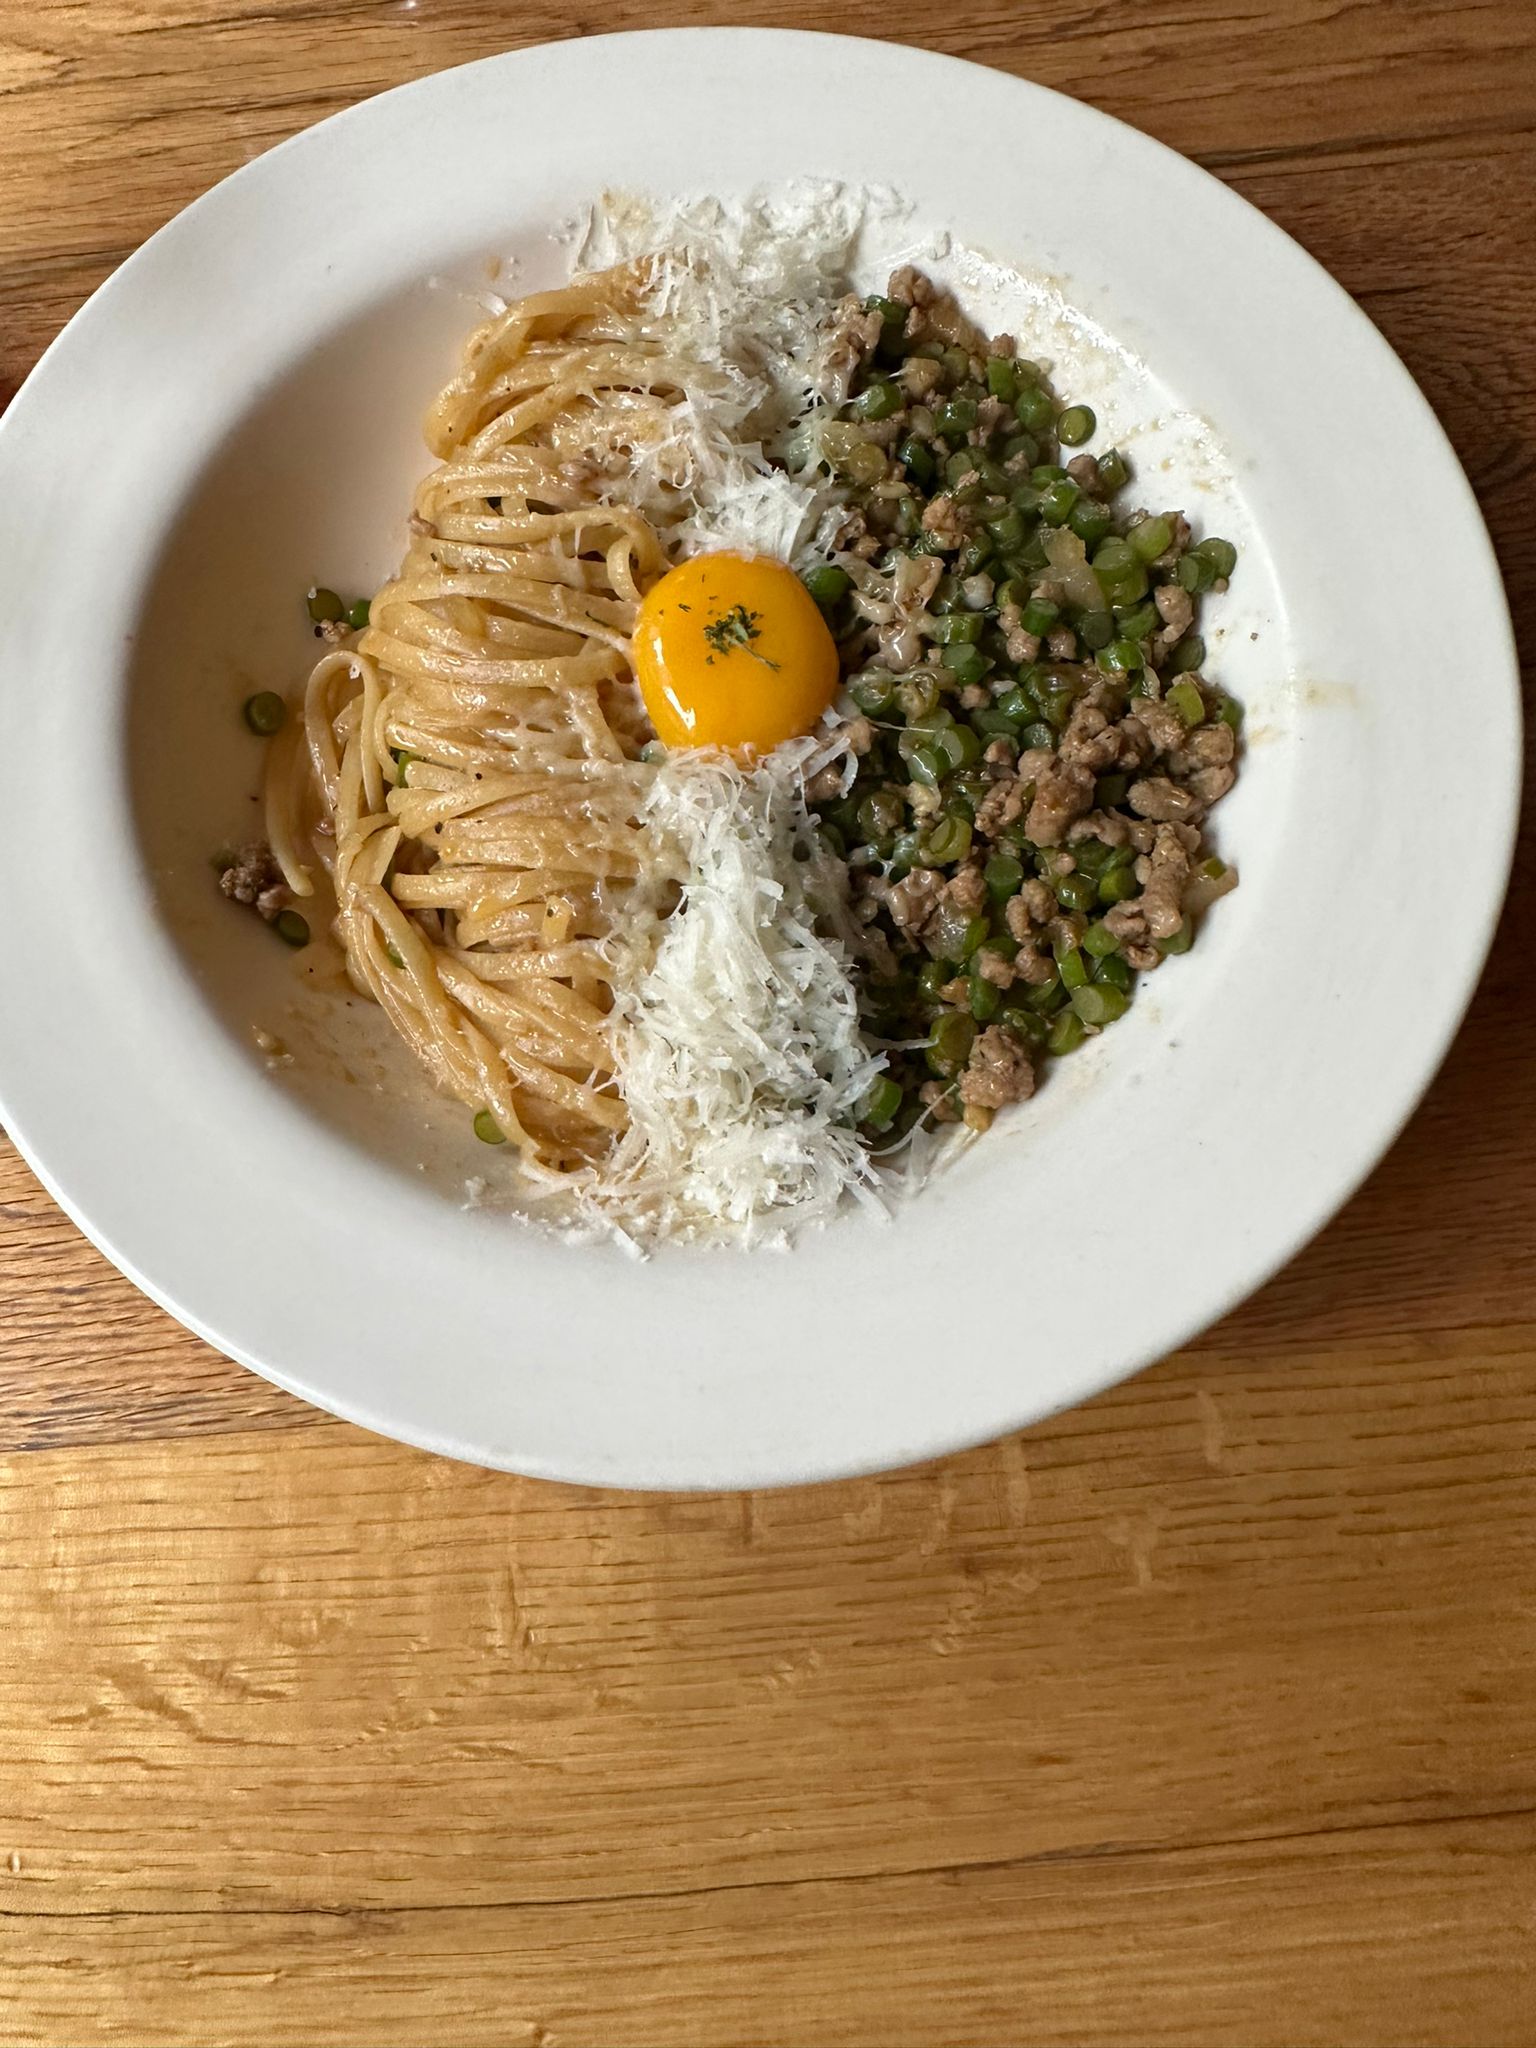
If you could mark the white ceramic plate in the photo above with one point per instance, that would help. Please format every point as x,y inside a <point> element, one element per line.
<point>235,414</point>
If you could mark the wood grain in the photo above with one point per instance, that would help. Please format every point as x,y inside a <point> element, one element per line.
<point>1203,1715</point>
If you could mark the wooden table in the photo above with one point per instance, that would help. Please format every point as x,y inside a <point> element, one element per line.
<point>1204,1715</point>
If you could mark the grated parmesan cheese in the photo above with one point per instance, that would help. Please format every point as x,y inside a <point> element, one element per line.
<point>743,287</point>
<point>736,1022</point>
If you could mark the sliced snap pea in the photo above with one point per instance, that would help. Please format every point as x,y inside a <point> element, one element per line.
<point>1075,425</point>
<point>1188,656</point>
<point>1149,538</point>
<point>1100,1002</point>
<point>291,928</point>
<point>878,400</point>
<point>325,607</point>
<point>487,1130</point>
<point>1187,701</point>
<point>1067,1033</point>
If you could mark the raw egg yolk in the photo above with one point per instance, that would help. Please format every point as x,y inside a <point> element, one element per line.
<point>732,651</point>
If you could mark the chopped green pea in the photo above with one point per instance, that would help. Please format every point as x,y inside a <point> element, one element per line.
<point>878,400</point>
<point>965,663</point>
<point>265,712</point>
<point>1188,655</point>
<point>946,841</point>
<point>487,1130</point>
<point>955,418</point>
<point>1187,701</point>
<point>1118,885</point>
<point>1067,1033</point>
<point>958,626</point>
<point>292,929</point>
<point>1071,966</point>
<point>1075,425</point>
<point>1137,621</point>
<point>1018,1018</point>
<point>827,583</point>
<point>1121,657</point>
<point>953,1036</point>
<point>1221,555</point>
<point>1149,538</point>
<point>1033,408</point>
<point>873,691</point>
<point>1100,1002</point>
<point>1057,500</point>
<point>1003,874</point>
<point>1090,521</point>
<point>1002,378</point>
<point>324,605</point>
<point>986,998</point>
<point>917,459</point>
<point>881,1102</point>
<point>1114,970</point>
<point>927,766</point>
<point>1096,630</point>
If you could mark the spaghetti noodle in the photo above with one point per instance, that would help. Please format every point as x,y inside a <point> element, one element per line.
<point>467,774</point>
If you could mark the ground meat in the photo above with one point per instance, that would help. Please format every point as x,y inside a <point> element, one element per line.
<point>1208,746</point>
<point>333,630</point>
<point>997,1073</point>
<point>998,808</point>
<point>1157,798</point>
<point>1033,967</point>
<point>1176,609</point>
<point>1162,725</point>
<point>998,753</point>
<point>860,735</point>
<point>974,696</point>
<point>944,519</point>
<point>1084,472</point>
<point>994,967</point>
<point>1209,785</point>
<point>1167,877</point>
<point>1066,929</point>
<point>919,375</point>
<point>825,786</point>
<point>924,803</point>
<point>909,287</point>
<point>1034,904</point>
<point>252,876</point>
<point>912,900</point>
<point>1090,739</point>
<point>966,890</point>
<point>1062,644</point>
<point>939,1102</point>
<point>1063,792</point>
<point>849,344</point>
<point>990,415</point>
<point>1107,826</point>
<point>1019,646</point>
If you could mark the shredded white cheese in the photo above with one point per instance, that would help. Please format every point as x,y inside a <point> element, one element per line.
<point>736,1021</point>
<point>743,288</point>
